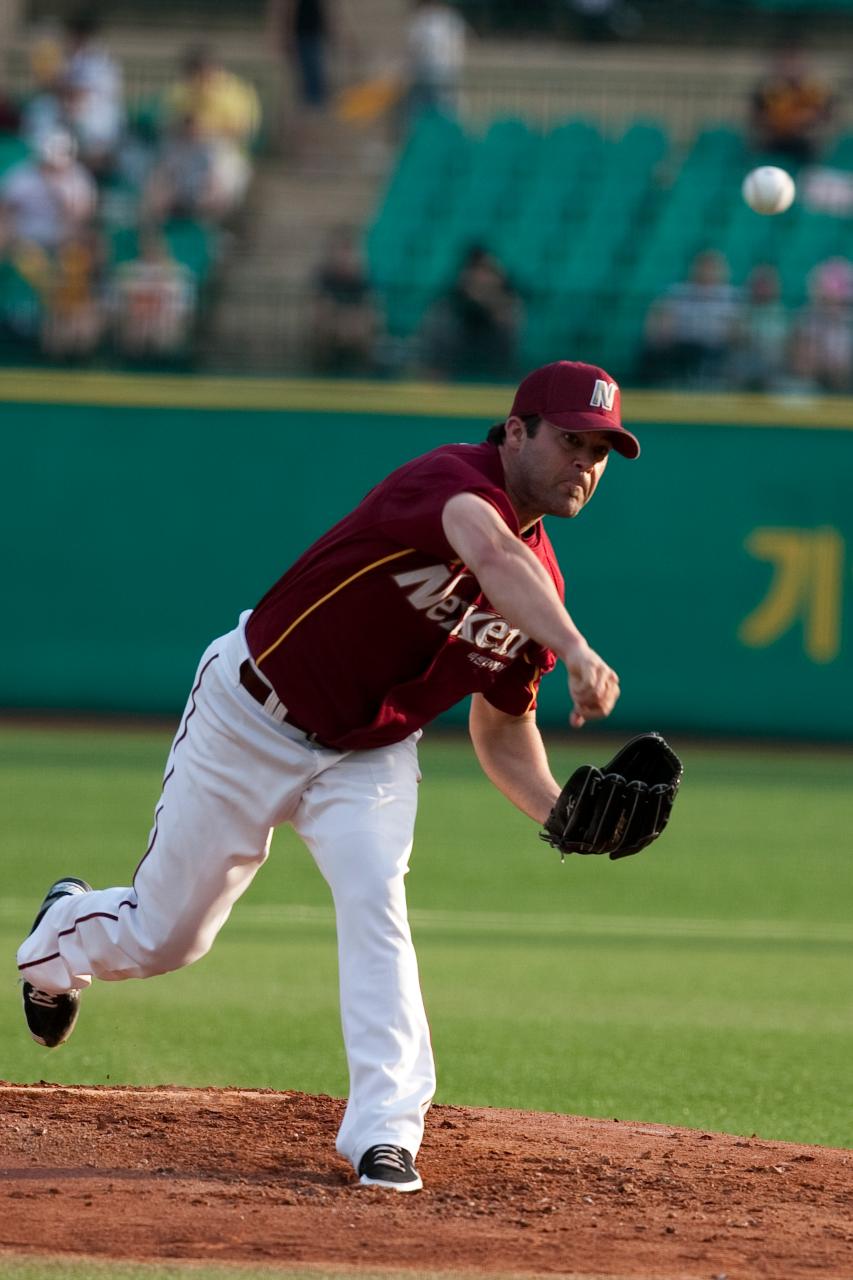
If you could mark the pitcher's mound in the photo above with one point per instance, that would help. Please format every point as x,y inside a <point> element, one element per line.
<point>252,1177</point>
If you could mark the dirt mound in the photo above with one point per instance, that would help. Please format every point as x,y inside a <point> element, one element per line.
<point>249,1176</point>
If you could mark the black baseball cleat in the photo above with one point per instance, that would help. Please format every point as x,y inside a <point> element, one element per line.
<point>59,889</point>
<point>388,1166</point>
<point>51,1018</point>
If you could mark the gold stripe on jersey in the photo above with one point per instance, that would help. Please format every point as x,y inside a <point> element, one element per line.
<point>395,555</point>
<point>533,687</point>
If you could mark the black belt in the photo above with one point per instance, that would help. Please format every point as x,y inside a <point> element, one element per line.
<point>260,691</point>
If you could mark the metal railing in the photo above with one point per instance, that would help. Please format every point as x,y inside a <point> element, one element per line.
<point>289,331</point>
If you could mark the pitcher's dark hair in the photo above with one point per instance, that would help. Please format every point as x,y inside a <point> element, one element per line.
<point>497,433</point>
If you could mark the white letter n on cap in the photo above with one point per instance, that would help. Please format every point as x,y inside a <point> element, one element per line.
<point>603,394</point>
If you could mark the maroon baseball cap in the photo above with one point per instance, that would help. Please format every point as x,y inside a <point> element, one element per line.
<point>575,397</point>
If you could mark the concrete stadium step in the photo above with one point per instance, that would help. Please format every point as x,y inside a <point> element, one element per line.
<point>290,214</point>
<point>261,291</point>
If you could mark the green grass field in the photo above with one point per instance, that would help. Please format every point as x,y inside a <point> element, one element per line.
<point>706,982</point>
<point>16,1268</point>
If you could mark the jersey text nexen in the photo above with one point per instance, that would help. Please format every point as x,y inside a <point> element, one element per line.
<point>378,628</point>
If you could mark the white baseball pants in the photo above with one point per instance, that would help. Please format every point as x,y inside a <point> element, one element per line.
<point>233,774</point>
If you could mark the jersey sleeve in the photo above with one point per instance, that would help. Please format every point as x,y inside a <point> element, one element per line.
<point>410,509</point>
<point>516,690</point>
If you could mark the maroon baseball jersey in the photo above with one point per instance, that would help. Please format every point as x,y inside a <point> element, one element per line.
<point>378,627</point>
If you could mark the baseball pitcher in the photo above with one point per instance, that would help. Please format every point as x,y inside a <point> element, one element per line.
<point>441,584</point>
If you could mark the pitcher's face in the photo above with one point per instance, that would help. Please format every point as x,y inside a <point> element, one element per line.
<point>553,472</point>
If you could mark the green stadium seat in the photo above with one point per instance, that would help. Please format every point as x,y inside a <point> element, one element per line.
<point>123,244</point>
<point>12,151</point>
<point>840,153</point>
<point>589,228</point>
<point>20,315</point>
<point>545,334</point>
<point>747,240</point>
<point>627,171</point>
<point>430,168</point>
<point>192,243</point>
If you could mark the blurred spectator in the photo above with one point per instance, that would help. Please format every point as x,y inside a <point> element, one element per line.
<point>10,115</point>
<point>92,79</point>
<point>435,42</point>
<point>49,199</point>
<point>691,328</point>
<point>214,106</point>
<point>826,190</point>
<point>302,30</point>
<point>472,330</point>
<point>72,297</point>
<point>345,322</point>
<point>598,20</point>
<point>305,33</point>
<point>154,302</point>
<point>222,104</point>
<point>46,56</point>
<point>192,178</point>
<point>760,348</point>
<point>791,109</point>
<point>44,113</point>
<point>80,89</point>
<point>822,347</point>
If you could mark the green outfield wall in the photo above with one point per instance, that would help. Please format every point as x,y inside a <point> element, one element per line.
<point>139,516</point>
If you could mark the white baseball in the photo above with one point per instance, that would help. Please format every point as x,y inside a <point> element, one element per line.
<point>768,189</point>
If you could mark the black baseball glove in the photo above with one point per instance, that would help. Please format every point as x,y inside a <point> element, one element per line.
<point>620,808</point>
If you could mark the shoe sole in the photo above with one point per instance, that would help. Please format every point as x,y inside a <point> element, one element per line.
<point>390,1186</point>
<point>72,1022</point>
